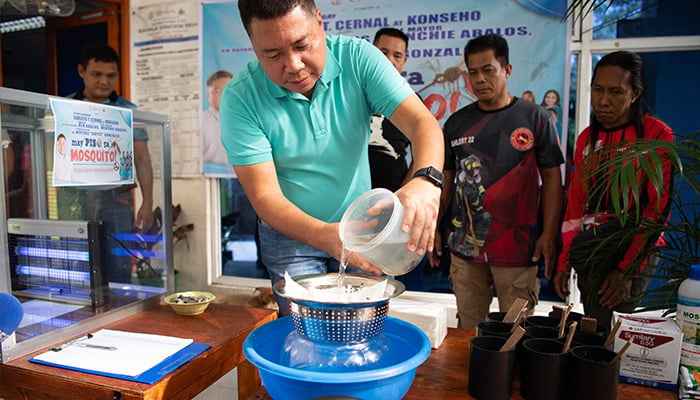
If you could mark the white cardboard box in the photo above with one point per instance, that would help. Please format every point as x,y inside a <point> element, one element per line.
<point>653,358</point>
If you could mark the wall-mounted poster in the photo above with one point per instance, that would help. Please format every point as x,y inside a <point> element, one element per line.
<point>93,144</point>
<point>438,32</point>
<point>165,76</point>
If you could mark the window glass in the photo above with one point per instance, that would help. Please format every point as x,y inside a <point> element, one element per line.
<point>239,245</point>
<point>670,86</point>
<point>645,18</point>
<point>71,250</point>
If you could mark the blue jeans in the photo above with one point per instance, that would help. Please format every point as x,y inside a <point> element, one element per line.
<point>281,253</point>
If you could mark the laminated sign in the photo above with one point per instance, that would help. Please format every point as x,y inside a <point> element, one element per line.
<point>93,144</point>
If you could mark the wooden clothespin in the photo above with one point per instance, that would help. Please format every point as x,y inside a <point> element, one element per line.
<point>517,321</point>
<point>515,310</point>
<point>564,316</point>
<point>557,311</point>
<point>569,337</point>
<point>622,351</point>
<point>613,332</point>
<point>588,324</point>
<point>513,339</point>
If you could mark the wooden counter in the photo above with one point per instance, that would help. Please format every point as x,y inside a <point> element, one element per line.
<point>445,373</point>
<point>224,327</point>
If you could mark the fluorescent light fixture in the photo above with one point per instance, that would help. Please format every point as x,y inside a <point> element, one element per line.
<point>53,273</point>
<point>138,253</point>
<point>54,253</point>
<point>24,24</point>
<point>138,237</point>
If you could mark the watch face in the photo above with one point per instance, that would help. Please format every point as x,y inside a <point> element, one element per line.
<point>436,175</point>
<point>432,174</point>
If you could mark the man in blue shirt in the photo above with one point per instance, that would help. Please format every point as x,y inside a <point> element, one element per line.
<point>295,126</point>
<point>99,68</point>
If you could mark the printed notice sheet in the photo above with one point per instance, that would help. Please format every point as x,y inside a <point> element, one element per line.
<point>115,352</point>
<point>165,75</point>
<point>93,144</point>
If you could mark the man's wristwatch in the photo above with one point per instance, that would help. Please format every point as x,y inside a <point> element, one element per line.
<point>433,174</point>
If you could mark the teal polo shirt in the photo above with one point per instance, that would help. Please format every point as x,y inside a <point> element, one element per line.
<point>318,145</point>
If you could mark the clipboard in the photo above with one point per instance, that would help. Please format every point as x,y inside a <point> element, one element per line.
<point>150,376</point>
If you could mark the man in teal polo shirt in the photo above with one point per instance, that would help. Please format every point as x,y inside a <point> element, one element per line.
<point>295,126</point>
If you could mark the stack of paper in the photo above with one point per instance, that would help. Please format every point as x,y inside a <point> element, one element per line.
<point>431,318</point>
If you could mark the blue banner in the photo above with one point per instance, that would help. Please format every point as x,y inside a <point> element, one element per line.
<point>438,31</point>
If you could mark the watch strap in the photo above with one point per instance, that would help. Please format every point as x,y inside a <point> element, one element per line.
<point>432,174</point>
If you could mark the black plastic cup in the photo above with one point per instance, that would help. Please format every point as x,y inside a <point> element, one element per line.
<point>490,370</point>
<point>541,332</point>
<point>536,332</point>
<point>543,369</point>
<point>494,328</point>
<point>587,339</point>
<point>496,316</point>
<point>541,320</point>
<point>573,316</point>
<point>591,375</point>
<point>577,317</point>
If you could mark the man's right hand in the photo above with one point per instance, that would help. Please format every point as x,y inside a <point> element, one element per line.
<point>334,247</point>
<point>561,283</point>
<point>434,256</point>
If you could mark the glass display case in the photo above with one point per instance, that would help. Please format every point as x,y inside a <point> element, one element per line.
<point>57,257</point>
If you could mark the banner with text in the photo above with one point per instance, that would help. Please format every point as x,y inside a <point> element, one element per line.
<point>93,144</point>
<point>437,30</point>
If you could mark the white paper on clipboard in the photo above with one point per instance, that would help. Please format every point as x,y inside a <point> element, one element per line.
<point>129,353</point>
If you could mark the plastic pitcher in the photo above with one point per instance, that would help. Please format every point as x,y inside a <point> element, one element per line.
<point>371,227</point>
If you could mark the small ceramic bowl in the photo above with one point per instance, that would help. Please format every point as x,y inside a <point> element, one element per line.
<point>189,303</point>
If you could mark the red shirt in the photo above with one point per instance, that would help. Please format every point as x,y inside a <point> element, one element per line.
<point>577,217</point>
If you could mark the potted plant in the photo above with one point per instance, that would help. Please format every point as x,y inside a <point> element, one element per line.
<point>145,273</point>
<point>669,265</point>
<point>630,164</point>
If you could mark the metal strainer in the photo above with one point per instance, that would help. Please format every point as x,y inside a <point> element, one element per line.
<point>337,322</point>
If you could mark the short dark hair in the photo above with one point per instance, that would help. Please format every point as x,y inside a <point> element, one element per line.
<point>391,32</point>
<point>218,75</point>
<point>98,52</point>
<point>269,9</point>
<point>61,136</point>
<point>482,43</point>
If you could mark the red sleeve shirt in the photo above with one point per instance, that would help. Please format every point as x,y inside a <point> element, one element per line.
<point>578,218</point>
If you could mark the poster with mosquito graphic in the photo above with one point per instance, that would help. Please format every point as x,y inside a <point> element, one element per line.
<point>437,33</point>
<point>93,144</point>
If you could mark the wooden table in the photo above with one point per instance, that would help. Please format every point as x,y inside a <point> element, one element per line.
<point>445,373</point>
<point>224,327</point>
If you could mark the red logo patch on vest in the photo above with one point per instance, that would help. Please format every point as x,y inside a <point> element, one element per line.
<point>522,139</point>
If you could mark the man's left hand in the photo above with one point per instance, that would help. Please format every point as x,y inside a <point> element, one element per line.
<point>612,292</point>
<point>421,203</point>
<point>546,246</point>
<point>144,218</point>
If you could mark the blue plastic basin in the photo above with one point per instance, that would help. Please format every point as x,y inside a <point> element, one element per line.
<point>409,348</point>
